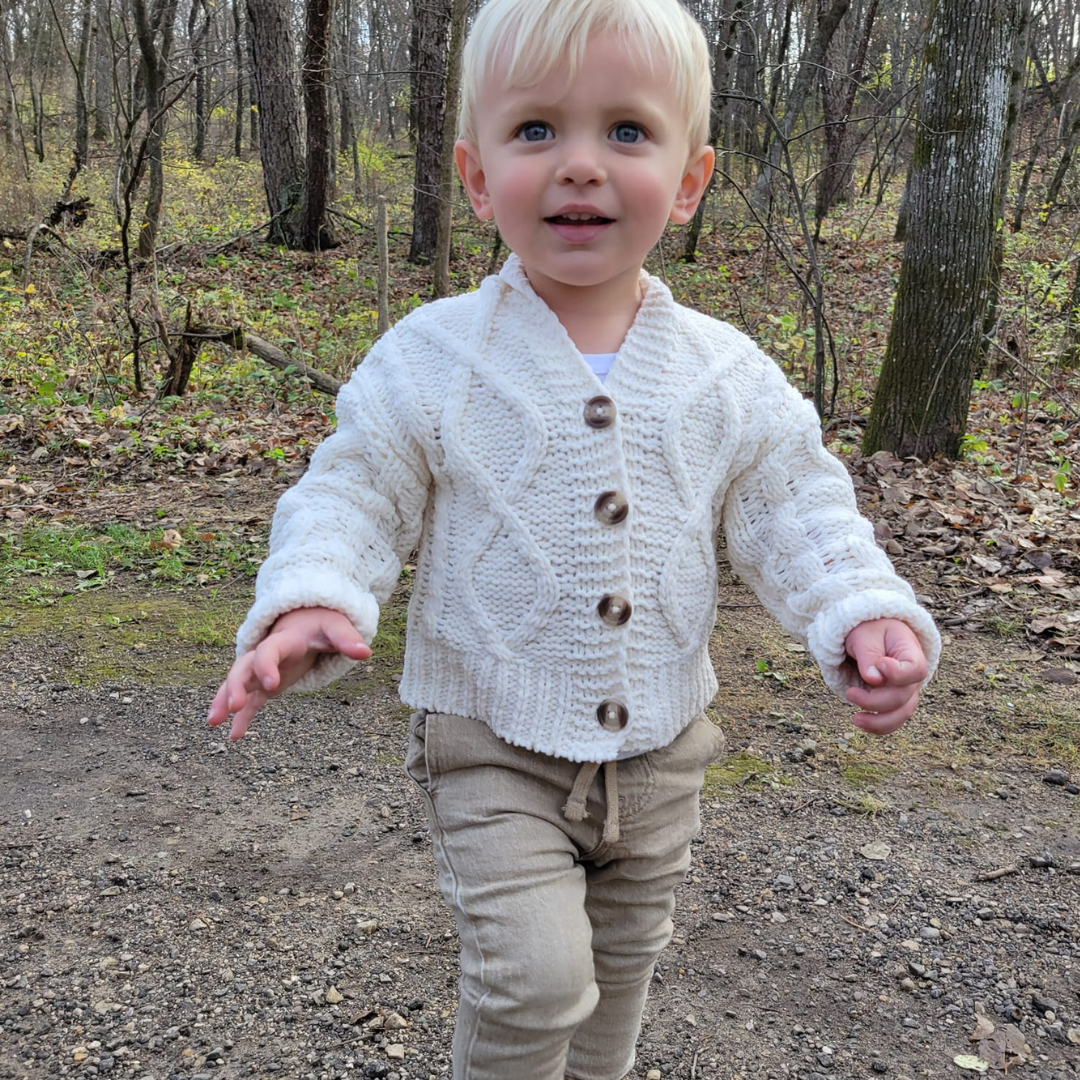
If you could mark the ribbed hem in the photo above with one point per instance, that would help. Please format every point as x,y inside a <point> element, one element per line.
<point>537,708</point>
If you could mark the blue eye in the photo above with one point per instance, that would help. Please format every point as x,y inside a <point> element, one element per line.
<point>534,131</point>
<point>628,133</point>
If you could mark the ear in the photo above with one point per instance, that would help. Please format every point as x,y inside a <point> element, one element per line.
<point>699,170</point>
<point>471,171</point>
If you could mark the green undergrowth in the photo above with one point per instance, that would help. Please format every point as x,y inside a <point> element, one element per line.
<point>41,564</point>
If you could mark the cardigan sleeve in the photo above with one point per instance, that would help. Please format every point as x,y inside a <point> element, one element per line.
<point>795,535</point>
<point>340,535</point>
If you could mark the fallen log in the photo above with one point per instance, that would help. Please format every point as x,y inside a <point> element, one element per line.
<point>236,338</point>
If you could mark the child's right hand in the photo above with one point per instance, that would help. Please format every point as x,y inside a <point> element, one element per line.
<point>283,657</point>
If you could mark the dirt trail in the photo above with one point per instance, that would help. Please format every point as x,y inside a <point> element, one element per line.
<point>175,906</point>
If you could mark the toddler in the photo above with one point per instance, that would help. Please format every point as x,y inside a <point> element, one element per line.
<point>562,446</point>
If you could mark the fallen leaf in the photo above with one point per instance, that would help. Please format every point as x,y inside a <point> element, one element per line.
<point>971,1062</point>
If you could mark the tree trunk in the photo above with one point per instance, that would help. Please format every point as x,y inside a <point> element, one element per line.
<point>153,71</point>
<point>253,86</point>
<point>279,117</point>
<point>431,23</point>
<point>1072,138</point>
<point>936,342</point>
<point>238,64</point>
<point>315,234</point>
<point>103,71</point>
<point>197,36</point>
<point>345,83</point>
<point>841,77</point>
<point>1019,33</point>
<point>441,283</point>
<point>82,65</point>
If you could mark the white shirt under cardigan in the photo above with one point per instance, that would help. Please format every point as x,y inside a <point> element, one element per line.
<point>466,431</point>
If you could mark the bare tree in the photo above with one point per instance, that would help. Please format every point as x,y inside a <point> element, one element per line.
<point>431,24</point>
<point>314,229</point>
<point>280,141</point>
<point>937,338</point>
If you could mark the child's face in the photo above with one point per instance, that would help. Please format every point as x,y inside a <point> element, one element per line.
<point>581,177</point>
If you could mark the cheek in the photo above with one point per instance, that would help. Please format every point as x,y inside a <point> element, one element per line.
<point>516,197</point>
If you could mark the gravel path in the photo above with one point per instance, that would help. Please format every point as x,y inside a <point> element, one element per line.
<point>172,906</point>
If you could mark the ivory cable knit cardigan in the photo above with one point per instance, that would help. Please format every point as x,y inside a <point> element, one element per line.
<point>465,430</point>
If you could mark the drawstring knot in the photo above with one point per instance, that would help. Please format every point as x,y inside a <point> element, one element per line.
<point>574,809</point>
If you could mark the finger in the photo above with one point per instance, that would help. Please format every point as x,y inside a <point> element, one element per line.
<point>880,699</point>
<point>341,636</point>
<point>231,693</point>
<point>881,723</point>
<point>218,712</point>
<point>242,720</point>
<point>902,672</point>
<point>267,662</point>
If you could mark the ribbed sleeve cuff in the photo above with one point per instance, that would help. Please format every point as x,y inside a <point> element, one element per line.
<point>830,629</point>
<point>305,589</point>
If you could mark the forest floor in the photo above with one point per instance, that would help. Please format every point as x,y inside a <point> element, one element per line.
<point>176,906</point>
<point>173,905</point>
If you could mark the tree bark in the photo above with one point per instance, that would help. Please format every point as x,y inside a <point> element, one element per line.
<point>315,233</point>
<point>197,37</point>
<point>441,282</point>
<point>103,71</point>
<point>279,116</point>
<point>936,342</point>
<point>153,70</point>
<point>841,77</point>
<point>82,65</point>
<point>238,64</point>
<point>431,23</point>
<point>1020,10</point>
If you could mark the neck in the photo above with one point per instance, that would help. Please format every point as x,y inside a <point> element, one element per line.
<point>596,317</point>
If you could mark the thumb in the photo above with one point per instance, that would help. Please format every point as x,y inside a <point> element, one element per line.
<point>344,638</point>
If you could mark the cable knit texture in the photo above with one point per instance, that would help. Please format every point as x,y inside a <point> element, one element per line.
<point>463,432</point>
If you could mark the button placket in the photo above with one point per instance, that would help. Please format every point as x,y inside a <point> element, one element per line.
<point>610,509</point>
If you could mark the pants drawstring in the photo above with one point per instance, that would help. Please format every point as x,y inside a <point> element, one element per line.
<point>574,808</point>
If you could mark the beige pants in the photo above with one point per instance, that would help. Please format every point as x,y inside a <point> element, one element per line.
<point>559,929</point>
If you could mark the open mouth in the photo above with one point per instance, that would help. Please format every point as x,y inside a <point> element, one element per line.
<point>578,219</point>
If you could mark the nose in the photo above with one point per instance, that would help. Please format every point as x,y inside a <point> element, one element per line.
<point>581,164</point>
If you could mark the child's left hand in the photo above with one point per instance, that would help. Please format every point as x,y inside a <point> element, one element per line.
<point>892,667</point>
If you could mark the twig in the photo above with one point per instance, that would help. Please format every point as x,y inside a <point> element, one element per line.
<point>858,926</point>
<point>1013,358</point>
<point>993,875</point>
<point>802,806</point>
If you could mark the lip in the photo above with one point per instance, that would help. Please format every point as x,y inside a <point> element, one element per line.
<point>578,232</point>
<point>579,208</point>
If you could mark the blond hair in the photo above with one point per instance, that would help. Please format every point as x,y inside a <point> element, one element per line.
<point>534,37</point>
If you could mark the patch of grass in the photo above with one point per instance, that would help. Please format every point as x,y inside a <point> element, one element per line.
<point>865,774</point>
<point>1046,731</point>
<point>736,770</point>
<point>83,557</point>
<point>160,639</point>
<point>864,803</point>
<point>1002,627</point>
